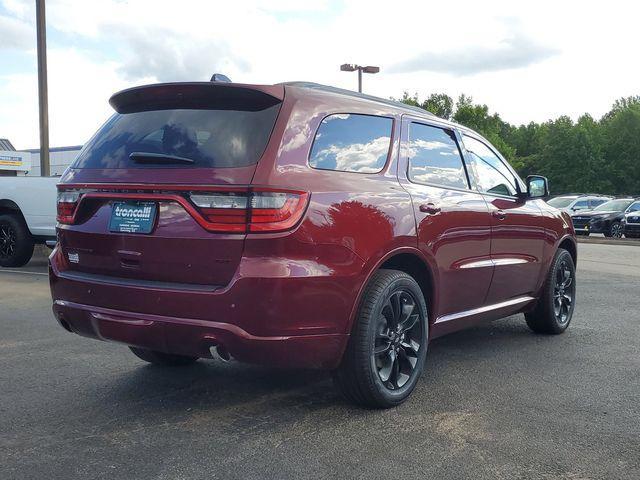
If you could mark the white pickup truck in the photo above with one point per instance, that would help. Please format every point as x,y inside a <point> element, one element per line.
<point>27,217</point>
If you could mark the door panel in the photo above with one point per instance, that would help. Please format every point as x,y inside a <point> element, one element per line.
<point>517,242</point>
<point>453,222</point>
<point>517,231</point>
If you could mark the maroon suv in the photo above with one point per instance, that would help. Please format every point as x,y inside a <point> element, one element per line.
<point>300,225</point>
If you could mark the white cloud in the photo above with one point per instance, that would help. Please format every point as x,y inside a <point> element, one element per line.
<point>15,34</point>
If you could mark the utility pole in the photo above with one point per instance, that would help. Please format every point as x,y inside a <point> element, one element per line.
<point>43,94</point>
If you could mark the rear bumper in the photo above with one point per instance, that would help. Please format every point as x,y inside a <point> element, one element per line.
<point>294,315</point>
<point>195,337</point>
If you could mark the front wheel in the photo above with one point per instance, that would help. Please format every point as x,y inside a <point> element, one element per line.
<point>388,345</point>
<point>555,306</point>
<point>615,230</point>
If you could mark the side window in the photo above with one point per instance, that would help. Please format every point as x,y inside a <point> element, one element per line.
<point>352,143</point>
<point>492,176</point>
<point>635,207</point>
<point>434,157</point>
<point>581,205</point>
<point>594,203</point>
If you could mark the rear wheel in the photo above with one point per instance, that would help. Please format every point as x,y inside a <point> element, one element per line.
<point>161,358</point>
<point>554,309</point>
<point>16,242</point>
<point>388,346</point>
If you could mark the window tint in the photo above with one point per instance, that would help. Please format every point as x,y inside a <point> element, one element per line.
<point>595,203</point>
<point>582,204</point>
<point>211,138</point>
<point>352,143</point>
<point>434,157</point>
<point>491,174</point>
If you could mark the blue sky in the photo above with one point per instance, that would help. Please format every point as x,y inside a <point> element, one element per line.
<point>526,60</point>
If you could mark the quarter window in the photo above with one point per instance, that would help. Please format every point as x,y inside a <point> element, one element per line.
<point>492,176</point>
<point>434,157</point>
<point>352,143</point>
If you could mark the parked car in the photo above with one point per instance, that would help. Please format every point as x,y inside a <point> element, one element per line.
<point>302,226</point>
<point>606,218</point>
<point>27,217</point>
<point>575,203</point>
<point>631,223</point>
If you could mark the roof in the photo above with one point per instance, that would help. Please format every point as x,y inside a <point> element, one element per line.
<point>5,144</point>
<point>363,96</point>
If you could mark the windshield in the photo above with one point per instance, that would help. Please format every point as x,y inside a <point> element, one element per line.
<point>613,206</point>
<point>207,138</point>
<point>561,202</point>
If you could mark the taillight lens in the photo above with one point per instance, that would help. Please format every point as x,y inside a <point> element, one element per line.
<point>67,203</point>
<point>255,211</point>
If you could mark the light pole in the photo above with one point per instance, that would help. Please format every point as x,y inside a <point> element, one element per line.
<point>43,95</point>
<point>350,67</point>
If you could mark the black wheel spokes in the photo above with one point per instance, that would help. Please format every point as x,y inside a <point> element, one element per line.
<point>563,293</point>
<point>7,241</point>
<point>398,340</point>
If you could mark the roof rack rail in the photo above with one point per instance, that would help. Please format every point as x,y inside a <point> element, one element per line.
<point>364,96</point>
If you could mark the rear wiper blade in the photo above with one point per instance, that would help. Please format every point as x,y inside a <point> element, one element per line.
<point>159,158</point>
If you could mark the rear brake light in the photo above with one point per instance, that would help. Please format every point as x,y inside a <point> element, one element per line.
<point>255,211</point>
<point>67,203</point>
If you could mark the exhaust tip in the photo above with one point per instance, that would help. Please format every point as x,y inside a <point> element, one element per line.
<point>218,351</point>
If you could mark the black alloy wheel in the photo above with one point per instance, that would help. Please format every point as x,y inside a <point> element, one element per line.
<point>399,337</point>
<point>8,241</point>
<point>563,292</point>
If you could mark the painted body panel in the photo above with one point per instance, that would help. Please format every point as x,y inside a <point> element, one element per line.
<point>35,197</point>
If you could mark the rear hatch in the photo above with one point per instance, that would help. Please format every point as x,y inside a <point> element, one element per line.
<point>161,194</point>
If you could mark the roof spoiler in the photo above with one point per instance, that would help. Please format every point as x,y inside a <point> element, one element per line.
<point>197,95</point>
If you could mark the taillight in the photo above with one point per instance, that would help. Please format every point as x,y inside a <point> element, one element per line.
<point>67,203</point>
<point>255,211</point>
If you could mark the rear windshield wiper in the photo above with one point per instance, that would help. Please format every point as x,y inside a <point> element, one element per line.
<point>158,158</point>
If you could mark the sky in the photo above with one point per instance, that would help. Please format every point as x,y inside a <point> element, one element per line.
<point>527,60</point>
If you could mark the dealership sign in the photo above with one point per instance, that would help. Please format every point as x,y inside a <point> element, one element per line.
<point>20,161</point>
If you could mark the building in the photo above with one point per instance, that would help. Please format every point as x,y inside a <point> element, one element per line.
<point>27,162</point>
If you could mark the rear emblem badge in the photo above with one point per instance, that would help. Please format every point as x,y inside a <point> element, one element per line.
<point>73,257</point>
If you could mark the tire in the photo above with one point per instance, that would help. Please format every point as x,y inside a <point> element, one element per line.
<point>16,242</point>
<point>560,285</point>
<point>392,300</point>
<point>162,359</point>
<point>614,230</point>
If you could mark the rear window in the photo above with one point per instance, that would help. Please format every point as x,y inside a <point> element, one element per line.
<point>208,138</point>
<point>352,143</point>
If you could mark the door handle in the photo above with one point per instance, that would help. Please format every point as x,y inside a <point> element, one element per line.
<point>429,208</point>
<point>499,214</point>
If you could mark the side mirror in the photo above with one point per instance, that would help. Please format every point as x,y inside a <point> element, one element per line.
<point>537,186</point>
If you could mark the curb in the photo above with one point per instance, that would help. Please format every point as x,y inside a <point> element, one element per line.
<point>610,241</point>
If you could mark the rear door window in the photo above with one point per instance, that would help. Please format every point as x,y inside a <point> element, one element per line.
<point>209,138</point>
<point>352,143</point>
<point>434,157</point>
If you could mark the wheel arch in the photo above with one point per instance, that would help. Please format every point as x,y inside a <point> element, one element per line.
<point>569,244</point>
<point>411,261</point>
<point>9,207</point>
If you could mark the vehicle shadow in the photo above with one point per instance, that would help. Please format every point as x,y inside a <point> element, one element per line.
<point>212,385</point>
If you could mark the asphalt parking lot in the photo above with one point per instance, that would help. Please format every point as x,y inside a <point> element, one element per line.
<point>497,401</point>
